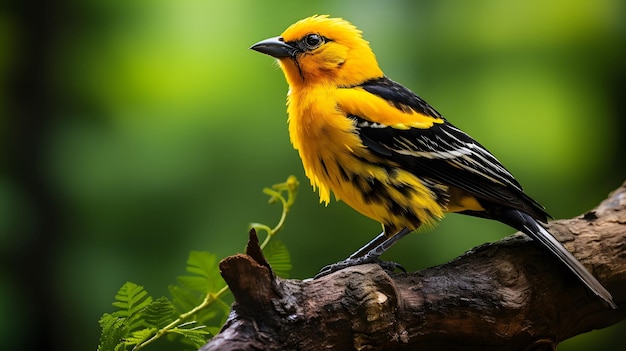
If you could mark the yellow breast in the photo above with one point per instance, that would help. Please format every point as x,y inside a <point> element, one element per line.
<point>335,159</point>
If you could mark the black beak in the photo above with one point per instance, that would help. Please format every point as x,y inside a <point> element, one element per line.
<point>275,47</point>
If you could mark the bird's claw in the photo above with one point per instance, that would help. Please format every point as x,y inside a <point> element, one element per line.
<point>349,262</point>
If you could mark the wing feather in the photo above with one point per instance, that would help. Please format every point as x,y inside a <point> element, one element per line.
<point>440,151</point>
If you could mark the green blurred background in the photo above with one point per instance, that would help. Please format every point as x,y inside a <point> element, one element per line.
<point>136,131</point>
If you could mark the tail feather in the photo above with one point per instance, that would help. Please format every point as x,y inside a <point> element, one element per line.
<point>532,228</point>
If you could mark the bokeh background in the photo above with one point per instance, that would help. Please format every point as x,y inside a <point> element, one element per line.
<point>136,131</point>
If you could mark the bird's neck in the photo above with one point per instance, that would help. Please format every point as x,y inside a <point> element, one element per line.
<point>353,72</point>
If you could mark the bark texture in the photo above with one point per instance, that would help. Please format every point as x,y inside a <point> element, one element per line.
<point>507,295</point>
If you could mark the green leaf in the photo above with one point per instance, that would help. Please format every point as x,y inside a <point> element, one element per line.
<point>113,331</point>
<point>159,313</point>
<point>131,299</point>
<point>195,283</point>
<point>196,334</point>
<point>199,296</point>
<point>193,289</point>
<point>139,336</point>
<point>278,257</point>
<point>206,276</point>
<point>201,263</point>
<point>183,299</point>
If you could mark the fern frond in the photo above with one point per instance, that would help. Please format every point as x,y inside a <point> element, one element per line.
<point>205,276</point>
<point>130,299</point>
<point>139,336</point>
<point>196,334</point>
<point>278,258</point>
<point>113,331</point>
<point>198,298</point>
<point>183,299</point>
<point>159,313</point>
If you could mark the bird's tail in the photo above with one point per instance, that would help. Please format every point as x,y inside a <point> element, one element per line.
<point>532,228</point>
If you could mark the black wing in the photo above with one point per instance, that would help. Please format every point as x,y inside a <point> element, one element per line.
<point>442,153</point>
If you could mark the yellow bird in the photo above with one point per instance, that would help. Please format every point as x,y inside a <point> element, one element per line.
<point>386,152</point>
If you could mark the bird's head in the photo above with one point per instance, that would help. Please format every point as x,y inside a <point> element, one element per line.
<point>322,50</point>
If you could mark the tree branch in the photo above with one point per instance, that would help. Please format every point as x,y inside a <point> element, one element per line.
<point>508,295</point>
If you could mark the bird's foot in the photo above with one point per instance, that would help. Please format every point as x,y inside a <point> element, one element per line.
<point>349,262</point>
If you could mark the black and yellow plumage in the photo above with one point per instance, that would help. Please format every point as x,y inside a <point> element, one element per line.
<point>386,152</point>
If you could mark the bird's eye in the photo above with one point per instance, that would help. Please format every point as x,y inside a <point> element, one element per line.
<point>313,40</point>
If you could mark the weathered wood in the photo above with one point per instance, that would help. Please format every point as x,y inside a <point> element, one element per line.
<point>508,295</point>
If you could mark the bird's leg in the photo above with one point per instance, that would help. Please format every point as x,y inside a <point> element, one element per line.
<point>379,239</point>
<point>369,253</point>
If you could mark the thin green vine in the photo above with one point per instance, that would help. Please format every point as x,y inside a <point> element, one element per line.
<point>276,193</point>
